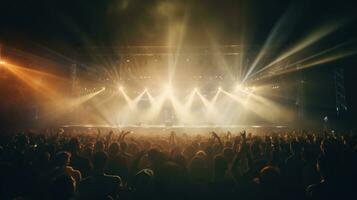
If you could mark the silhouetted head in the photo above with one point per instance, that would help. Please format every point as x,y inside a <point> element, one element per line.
<point>155,157</point>
<point>169,179</point>
<point>220,165</point>
<point>142,179</point>
<point>296,147</point>
<point>228,154</point>
<point>189,152</point>
<point>99,161</point>
<point>113,149</point>
<point>123,146</point>
<point>63,187</point>
<point>180,160</point>
<point>73,145</point>
<point>201,154</point>
<point>62,158</point>
<point>99,146</point>
<point>269,176</point>
<point>198,169</point>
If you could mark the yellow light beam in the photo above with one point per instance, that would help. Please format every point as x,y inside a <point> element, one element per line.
<point>312,38</point>
<point>312,63</point>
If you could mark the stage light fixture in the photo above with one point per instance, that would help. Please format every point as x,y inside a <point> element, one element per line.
<point>239,87</point>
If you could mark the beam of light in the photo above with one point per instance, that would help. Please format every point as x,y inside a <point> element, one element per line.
<point>205,102</point>
<point>132,112</point>
<point>320,53</point>
<point>138,98</point>
<point>32,78</point>
<point>80,100</point>
<point>155,105</point>
<point>268,109</point>
<point>320,61</point>
<point>316,55</point>
<point>229,104</point>
<point>168,90</point>
<point>151,98</point>
<point>56,104</point>
<point>177,30</point>
<point>186,114</point>
<point>190,99</point>
<point>239,87</point>
<point>263,107</point>
<point>244,89</point>
<point>31,72</point>
<point>221,59</point>
<point>277,35</point>
<point>102,114</point>
<point>127,98</point>
<point>132,103</point>
<point>211,110</point>
<point>181,110</point>
<point>215,97</point>
<point>62,106</point>
<point>312,38</point>
<point>234,97</point>
<point>225,107</point>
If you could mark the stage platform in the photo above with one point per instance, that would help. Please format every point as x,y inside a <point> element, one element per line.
<point>183,128</point>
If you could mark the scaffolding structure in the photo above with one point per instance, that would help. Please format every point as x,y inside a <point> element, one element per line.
<point>340,93</point>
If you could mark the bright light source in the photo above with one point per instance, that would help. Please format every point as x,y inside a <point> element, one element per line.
<point>103,88</point>
<point>195,89</point>
<point>121,88</point>
<point>168,87</point>
<point>219,88</point>
<point>2,62</point>
<point>239,87</point>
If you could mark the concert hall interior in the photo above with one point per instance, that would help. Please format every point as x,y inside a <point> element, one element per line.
<point>178,99</point>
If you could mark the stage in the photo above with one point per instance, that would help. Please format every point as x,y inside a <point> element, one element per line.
<point>190,129</point>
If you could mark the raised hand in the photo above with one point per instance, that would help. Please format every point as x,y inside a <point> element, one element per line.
<point>214,134</point>
<point>244,134</point>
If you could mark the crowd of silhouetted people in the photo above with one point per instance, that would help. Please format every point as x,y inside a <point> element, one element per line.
<point>110,164</point>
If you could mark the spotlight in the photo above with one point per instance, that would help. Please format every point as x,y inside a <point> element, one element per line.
<point>168,87</point>
<point>195,89</point>
<point>121,88</point>
<point>239,87</point>
<point>219,88</point>
<point>2,62</point>
<point>103,88</point>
